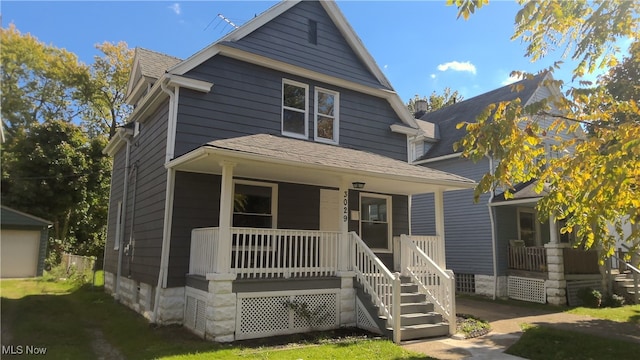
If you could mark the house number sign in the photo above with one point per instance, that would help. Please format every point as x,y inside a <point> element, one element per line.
<point>345,206</point>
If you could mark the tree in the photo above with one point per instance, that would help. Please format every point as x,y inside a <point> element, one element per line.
<point>56,172</point>
<point>106,108</point>
<point>435,101</point>
<point>40,82</point>
<point>594,183</point>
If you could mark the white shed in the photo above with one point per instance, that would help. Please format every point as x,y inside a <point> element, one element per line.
<point>23,244</point>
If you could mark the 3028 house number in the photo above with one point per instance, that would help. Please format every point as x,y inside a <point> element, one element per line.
<point>345,205</point>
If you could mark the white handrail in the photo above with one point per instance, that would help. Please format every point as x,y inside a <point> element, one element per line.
<point>432,246</point>
<point>636,278</point>
<point>377,281</point>
<point>438,284</point>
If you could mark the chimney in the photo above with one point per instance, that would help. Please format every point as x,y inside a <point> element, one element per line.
<point>421,105</point>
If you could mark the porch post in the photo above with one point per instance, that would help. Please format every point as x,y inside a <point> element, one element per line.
<point>223,255</point>
<point>439,213</point>
<point>343,213</point>
<point>553,229</point>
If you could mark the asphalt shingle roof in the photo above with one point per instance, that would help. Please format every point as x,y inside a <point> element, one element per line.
<point>153,64</point>
<point>308,152</point>
<point>448,117</point>
<point>9,216</point>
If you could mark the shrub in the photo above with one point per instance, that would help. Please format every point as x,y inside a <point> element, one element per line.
<point>590,297</point>
<point>615,300</point>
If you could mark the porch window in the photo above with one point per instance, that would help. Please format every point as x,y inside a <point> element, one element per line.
<point>375,228</point>
<point>528,227</point>
<point>295,102</point>
<point>326,115</point>
<point>253,205</point>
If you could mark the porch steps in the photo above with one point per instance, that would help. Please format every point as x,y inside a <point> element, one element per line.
<point>624,284</point>
<point>418,319</point>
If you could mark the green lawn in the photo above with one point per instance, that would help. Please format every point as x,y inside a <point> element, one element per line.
<point>545,343</point>
<point>627,313</point>
<point>74,321</point>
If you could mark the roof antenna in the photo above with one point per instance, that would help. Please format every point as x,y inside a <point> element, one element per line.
<point>228,21</point>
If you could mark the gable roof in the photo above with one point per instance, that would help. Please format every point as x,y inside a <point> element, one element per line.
<point>223,46</point>
<point>150,65</point>
<point>9,216</point>
<point>446,119</point>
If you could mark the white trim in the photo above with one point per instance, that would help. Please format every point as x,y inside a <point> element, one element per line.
<point>189,83</point>
<point>517,202</point>
<point>274,198</point>
<point>117,240</point>
<point>402,129</point>
<point>336,115</point>
<point>536,224</point>
<point>306,109</point>
<point>439,158</point>
<point>389,221</point>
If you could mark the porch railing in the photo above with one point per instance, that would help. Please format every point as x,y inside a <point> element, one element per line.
<point>528,258</point>
<point>438,284</point>
<point>268,253</point>
<point>432,247</point>
<point>377,281</point>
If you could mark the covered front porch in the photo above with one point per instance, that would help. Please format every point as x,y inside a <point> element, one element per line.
<point>290,210</point>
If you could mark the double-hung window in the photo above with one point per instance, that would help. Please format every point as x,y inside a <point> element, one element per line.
<point>295,104</point>
<point>326,115</point>
<point>254,204</point>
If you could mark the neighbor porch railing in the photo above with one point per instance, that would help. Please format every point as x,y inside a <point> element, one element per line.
<point>268,253</point>
<point>527,258</point>
<point>437,283</point>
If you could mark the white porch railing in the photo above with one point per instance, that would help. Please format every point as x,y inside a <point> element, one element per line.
<point>432,246</point>
<point>378,282</point>
<point>438,284</point>
<point>268,253</point>
<point>204,247</point>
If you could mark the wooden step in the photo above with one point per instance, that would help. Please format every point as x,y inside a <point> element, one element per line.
<point>419,307</point>
<point>414,332</point>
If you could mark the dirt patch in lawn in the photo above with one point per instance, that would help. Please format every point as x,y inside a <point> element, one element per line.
<point>102,348</point>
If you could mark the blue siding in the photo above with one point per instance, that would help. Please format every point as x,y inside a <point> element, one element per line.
<point>467,224</point>
<point>246,99</point>
<point>286,39</point>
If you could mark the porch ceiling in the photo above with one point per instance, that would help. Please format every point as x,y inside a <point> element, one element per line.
<point>276,158</point>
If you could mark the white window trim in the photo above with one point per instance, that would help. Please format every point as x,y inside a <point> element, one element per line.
<point>336,115</point>
<point>535,221</point>
<point>274,198</point>
<point>306,110</point>
<point>389,219</point>
<point>116,244</point>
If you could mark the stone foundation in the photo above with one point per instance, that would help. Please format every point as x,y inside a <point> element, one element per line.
<point>485,285</point>
<point>221,308</point>
<point>556,285</point>
<point>347,300</point>
<point>171,306</point>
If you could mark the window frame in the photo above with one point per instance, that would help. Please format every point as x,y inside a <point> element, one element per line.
<point>536,225</point>
<point>274,198</point>
<point>335,116</point>
<point>306,109</point>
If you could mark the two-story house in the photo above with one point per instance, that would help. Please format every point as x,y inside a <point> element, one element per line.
<point>497,246</point>
<point>262,187</point>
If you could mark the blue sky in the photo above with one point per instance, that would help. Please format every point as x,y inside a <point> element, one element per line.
<point>420,45</point>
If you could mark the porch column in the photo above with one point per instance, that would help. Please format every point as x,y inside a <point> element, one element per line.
<point>223,255</point>
<point>556,284</point>
<point>343,213</point>
<point>438,196</point>
<point>553,229</point>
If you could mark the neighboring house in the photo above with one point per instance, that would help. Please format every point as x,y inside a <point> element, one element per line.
<point>497,246</point>
<point>23,240</point>
<point>262,186</point>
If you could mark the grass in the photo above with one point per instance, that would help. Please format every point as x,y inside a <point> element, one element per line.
<point>627,313</point>
<point>545,343</point>
<point>65,316</point>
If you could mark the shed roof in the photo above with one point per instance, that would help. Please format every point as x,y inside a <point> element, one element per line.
<point>9,216</point>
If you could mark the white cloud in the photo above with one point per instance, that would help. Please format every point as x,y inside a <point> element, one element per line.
<point>433,76</point>
<point>458,66</point>
<point>510,80</point>
<point>176,8</point>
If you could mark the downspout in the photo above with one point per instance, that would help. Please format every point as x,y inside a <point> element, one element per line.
<point>493,234</point>
<point>125,196</point>
<point>131,246</point>
<point>168,210</point>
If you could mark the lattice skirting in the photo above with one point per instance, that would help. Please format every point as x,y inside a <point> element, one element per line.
<point>527,289</point>
<point>264,314</point>
<point>364,319</point>
<point>195,310</point>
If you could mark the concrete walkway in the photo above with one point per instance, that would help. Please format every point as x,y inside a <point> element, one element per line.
<point>506,323</point>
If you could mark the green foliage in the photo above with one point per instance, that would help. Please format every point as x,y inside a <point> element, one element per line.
<point>435,101</point>
<point>590,179</point>
<point>590,297</point>
<point>472,326</point>
<point>56,172</point>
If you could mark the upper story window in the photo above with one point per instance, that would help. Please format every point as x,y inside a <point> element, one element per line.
<point>295,102</point>
<point>326,115</point>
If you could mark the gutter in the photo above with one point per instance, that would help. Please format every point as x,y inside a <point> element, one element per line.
<point>125,196</point>
<point>443,157</point>
<point>493,234</point>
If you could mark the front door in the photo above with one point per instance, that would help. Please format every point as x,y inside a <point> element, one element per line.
<point>375,221</point>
